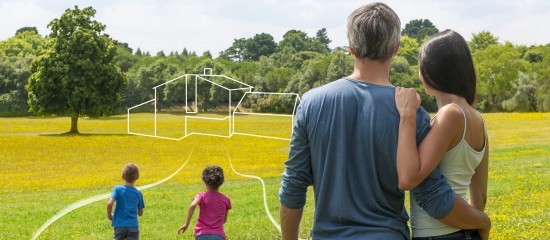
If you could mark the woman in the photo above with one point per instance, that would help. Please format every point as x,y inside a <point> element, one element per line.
<point>457,141</point>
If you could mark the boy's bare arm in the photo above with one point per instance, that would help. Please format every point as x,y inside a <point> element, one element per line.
<point>140,212</point>
<point>110,204</point>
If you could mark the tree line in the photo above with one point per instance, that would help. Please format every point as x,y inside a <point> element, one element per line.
<point>36,72</point>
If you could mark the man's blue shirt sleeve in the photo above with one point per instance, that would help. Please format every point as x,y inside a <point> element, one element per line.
<point>434,194</point>
<point>297,175</point>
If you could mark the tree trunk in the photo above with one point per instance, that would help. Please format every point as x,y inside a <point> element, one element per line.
<point>74,124</point>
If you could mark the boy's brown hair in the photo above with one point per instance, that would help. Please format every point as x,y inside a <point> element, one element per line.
<point>130,172</point>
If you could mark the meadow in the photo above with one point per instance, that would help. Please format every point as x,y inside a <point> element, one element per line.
<point>42,171</point>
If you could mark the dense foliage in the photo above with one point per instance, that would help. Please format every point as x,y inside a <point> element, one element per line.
<point>510,77</point>
<point>75,74</point>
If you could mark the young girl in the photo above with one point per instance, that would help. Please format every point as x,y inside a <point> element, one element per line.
<point>457,141</point>
<point>214,207</point>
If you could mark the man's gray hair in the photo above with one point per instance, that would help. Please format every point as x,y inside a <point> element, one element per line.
<point>374,31</point>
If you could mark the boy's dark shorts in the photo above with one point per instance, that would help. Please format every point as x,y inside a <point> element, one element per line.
<point>128,233</point>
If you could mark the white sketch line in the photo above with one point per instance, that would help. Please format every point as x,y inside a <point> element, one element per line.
<point>207,134</point>
<point>141,104</point>
<point>207,76</point>
<point>100,197</point>
<point>263,114</point>
<point>262,136</point>
<point>263,186</point>
<point>161,137</point>
<point>208,118</point>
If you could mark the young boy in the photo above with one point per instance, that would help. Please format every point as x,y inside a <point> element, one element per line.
<point>129,204</point>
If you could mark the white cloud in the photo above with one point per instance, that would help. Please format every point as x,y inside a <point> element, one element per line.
<point>172,25</point>
<point>18,14</point>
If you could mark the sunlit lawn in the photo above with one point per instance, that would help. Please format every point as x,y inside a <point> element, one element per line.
<point>42,171</point>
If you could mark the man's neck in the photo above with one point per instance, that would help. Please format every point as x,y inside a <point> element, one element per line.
<point>371,71</point>
<point>129,184</point>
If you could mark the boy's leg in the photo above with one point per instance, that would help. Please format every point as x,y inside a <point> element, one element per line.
<point>133,234</point>
<point>120,233</point>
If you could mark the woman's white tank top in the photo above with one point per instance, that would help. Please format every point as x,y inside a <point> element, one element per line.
<point>458,166</point>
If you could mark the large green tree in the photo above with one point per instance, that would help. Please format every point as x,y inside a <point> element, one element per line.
<point>277,79</point>
<point>322,37</point>
<point>299,41</point>
<point>16,54</point>
<point>419,29</point>
<point>409,49</point>
<point>482,40</point>
<point>497,69</point>
<point>25,43</point>
<point>124,57</point>
<point>14,73</point>
<point>250,49</point>
<point>76,75</point>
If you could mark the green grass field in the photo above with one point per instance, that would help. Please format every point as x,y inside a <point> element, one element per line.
<point>43,171</point>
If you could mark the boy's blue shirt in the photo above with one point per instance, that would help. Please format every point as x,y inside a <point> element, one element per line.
<point>128,201</point>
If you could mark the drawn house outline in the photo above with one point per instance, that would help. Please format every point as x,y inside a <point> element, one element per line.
<point>230,118</point>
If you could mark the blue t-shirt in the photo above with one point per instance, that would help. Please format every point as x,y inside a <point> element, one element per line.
<point>128,201</point>
<point>344,143</point>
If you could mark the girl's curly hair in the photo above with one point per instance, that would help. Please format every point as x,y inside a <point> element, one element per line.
<point>213,176</point>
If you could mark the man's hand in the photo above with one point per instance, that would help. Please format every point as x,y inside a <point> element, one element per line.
<point>464,216</point>
<point>484,233</point>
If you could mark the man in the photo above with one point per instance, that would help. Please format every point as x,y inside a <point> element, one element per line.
<point>344,143</point>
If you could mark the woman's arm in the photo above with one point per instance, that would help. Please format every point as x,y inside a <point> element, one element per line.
<point>190,212</point>
<point>478,186</point>
<point>414,165</point>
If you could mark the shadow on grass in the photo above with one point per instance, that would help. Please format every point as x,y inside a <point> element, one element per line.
<point>31,117</point>
<point>118,117</point>
<point>69,134</point>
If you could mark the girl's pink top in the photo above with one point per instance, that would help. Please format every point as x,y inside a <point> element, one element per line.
<point>213,208</point>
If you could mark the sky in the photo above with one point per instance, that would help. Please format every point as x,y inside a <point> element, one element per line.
<point>171,25</point>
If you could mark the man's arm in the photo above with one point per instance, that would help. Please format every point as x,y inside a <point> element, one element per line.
<point>437,198</point>
<point>295,179</point>
<point>464,216</point>
<point>290,222</point>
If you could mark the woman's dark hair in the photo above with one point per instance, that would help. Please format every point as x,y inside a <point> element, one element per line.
<point>213,176</point>
<point>446,64</point>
